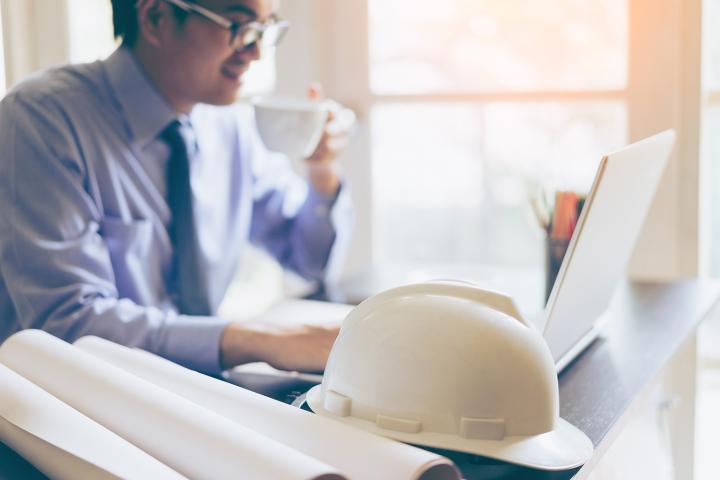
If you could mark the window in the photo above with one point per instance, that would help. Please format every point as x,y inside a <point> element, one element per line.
<point>483,102</point>
<point>421,46</point>
<point>478,105</point>
<point>711,127</point>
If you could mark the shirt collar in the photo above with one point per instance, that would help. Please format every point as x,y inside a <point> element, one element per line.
<point>146,112</point>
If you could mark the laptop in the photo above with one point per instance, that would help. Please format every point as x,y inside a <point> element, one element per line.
<point>601,246</point>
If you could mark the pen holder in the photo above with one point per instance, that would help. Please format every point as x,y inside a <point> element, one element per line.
<point>555,249</point>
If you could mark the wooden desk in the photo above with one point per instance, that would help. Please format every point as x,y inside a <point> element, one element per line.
<point>647,326</point>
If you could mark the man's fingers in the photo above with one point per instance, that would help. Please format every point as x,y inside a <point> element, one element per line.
<point>303,348</point>
<point>315,91</point>
<point>338,143</point>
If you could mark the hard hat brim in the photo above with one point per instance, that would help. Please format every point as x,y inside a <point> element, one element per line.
<point>563,448</point>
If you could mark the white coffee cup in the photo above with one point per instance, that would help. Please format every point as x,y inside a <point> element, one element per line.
<point>290,125</point>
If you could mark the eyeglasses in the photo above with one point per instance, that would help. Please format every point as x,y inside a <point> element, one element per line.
<point>242,35</point>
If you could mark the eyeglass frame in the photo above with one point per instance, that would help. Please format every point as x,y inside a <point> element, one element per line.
<point>235,28</point>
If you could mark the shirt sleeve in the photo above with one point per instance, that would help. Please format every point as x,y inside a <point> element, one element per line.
<point>54,261</point>
<point>306,231</point>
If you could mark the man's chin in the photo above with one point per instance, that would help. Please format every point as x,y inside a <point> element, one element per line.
<point>224,98</point>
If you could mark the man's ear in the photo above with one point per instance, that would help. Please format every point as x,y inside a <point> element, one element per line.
<point>153,16</point>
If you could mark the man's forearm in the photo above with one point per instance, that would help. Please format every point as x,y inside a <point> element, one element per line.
<point>324,179</point>
<point>303,348</point>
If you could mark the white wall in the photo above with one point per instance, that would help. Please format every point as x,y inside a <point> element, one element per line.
<point>35,36</point>
<point>665,92</point>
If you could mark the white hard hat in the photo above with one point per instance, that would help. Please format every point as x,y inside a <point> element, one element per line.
<point>451,366</point>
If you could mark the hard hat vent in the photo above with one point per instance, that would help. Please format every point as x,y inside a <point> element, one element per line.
<point>398,424</point>
<point>337,403</point>
<point>482,428</point>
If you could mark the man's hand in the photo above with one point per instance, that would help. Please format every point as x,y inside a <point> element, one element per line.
<point>321,166</point>
<point>302,348</point>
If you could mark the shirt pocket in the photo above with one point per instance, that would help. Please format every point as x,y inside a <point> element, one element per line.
<point>136,259</point>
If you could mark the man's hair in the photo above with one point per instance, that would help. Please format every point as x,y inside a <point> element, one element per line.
<point>125,22</point>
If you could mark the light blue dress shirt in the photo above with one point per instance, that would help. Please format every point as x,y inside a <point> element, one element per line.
<point>84,246</point>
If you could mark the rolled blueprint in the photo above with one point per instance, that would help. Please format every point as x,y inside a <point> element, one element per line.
<point>356,453</point>
<point>189,438</point>
<point>63,443</point>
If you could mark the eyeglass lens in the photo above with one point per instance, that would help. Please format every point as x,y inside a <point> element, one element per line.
<point>267,35</point>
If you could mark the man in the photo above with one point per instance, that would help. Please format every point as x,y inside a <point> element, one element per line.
<point>129,185</point>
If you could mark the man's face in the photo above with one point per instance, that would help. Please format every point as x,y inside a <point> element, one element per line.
<point>203,67</point>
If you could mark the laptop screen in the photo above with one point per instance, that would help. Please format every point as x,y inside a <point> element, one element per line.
<point>603,241</point>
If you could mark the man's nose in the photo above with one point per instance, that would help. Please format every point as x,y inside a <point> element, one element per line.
<point>251,52</point>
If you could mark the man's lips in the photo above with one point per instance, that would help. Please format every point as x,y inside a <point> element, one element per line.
<point>234,72</point>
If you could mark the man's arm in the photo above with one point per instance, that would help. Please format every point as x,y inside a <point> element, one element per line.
<point>58,271</point>
<point>304,224</point>
<point>55,262</point>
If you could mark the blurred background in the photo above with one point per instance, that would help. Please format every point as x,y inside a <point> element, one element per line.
<point>467,109</point>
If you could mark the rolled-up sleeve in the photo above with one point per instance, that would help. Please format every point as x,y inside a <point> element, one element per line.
<point>54,260</point>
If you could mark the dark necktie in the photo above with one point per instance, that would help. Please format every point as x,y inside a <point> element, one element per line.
<point>188,272</point>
